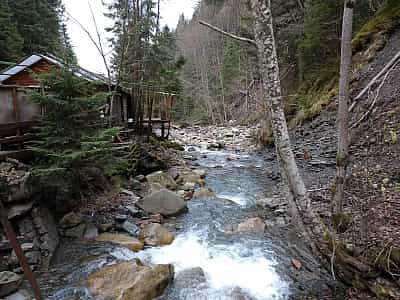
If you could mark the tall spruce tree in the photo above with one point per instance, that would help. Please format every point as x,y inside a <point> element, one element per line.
<point>41,27</point>
<point>11,41</point>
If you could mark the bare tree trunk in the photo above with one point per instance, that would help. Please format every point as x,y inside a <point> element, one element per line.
<point>268,60</point>
<point>221,80</point>
<point>343,115</point>
<point>270,72</point>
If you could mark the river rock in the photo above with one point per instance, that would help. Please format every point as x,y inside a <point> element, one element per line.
<point>20,295</point>
<point>133,210</point>
<point>121,239</point>
<point>271,203</point>
<point>203,193</point>
<point>130,280</point>
<point>163,179</point>
<point>130,228</point>
<point>33,257</point>
<point>9,283</point>
<point>18,186</point>
<point>154,187</point>
<point>76,232</point>
<point>188,186</point>
<point>19,210</point>
<point>202,173</point>
<point>188,175</point>
<point>164,202</point>
<point>155,235</point>
<point>174,173</point>
<point>71,220</point>
<point>252,225</point>
<point>91,232</point>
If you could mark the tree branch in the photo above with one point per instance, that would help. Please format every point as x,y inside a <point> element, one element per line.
<point>379,75</point>
<point>239,38</point>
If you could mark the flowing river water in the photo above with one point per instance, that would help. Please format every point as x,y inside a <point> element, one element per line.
<point>211,261</point>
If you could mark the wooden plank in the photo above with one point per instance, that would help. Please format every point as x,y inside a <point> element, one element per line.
<point>16,139</point>
<point>21,155</point>
<point>12,127</point>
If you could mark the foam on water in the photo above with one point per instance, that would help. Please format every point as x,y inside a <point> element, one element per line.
<point>240,199</point>
<point>225,266</point>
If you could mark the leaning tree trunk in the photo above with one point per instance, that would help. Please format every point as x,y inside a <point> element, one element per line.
<point>343,115</point>
<point>268,61</point>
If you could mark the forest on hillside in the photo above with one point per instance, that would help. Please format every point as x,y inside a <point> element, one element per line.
<point>225,82</point>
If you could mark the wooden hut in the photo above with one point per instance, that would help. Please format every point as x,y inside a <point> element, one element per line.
<point>140,109</point>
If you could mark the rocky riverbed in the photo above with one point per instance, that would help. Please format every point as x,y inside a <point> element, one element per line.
<point>215,225</point>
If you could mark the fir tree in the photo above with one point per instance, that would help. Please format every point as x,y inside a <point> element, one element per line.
<point>40,25</point>
<point>11,41</point>
<point>71,135</point>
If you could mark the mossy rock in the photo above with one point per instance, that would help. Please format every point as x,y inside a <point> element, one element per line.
<point>172,145</point>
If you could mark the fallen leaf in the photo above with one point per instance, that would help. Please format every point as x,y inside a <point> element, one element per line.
<point>296,263</point>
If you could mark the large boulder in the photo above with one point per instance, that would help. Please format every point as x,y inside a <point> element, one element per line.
<point>155,234</point>
<point>17,177</point>
<point>121,239</point>
<point>130,280</point>
<point>163,202</point>
<point>70,220</point>
<point>163,179</point>
<point>9,283</point>
<point>19,210</point>
<point>252,225</point>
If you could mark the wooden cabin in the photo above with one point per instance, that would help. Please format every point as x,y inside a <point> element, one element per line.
<point>142,110</point>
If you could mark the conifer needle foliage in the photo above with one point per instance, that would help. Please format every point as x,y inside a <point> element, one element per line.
<point>72,134</point>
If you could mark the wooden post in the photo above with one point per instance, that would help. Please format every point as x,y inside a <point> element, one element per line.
<point>16,112</point>
<point>19,252</point>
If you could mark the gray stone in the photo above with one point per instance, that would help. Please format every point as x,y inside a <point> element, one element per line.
<point>70,220</point>
<point>188,186</point>
<point>33,257</point>
<point>91,232</point>
<point>121,217</point>
<point>164,202</point>
<point>131,194</point>
<point>130,228</point>
<point>271,203</point>
<point>140,178</point>
<point>9,283</point>
<point>163,179</point>
<point>27,246</point>
<point>202,173</point>
<point>20,295</point>
<point>19,210</point>
<point>76,232</point>
<point>133,210</point>
<point>155,235</point>
<point>174,173</point>
<point>252,225</point>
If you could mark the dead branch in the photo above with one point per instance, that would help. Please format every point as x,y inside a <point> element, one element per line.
<point>371,107</point>
<point>379,75</point>
<point>233,36</point>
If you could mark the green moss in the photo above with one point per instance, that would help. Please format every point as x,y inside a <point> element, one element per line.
<point>385,20</point>
<point>309,105</point>
<point>172,145</point>
<point>341,222</point>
